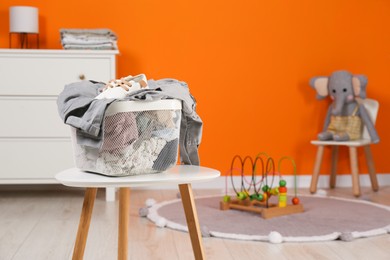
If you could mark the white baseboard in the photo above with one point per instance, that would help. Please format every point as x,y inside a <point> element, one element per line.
<point>303,181</point>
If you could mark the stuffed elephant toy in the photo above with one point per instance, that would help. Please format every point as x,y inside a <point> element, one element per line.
<point>346,115</point>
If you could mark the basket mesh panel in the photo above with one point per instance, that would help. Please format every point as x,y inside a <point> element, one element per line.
<point>133,143</point>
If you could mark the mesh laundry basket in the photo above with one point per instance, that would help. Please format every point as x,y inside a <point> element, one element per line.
<point>138,138</point>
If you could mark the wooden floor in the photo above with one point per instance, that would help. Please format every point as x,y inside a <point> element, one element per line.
<point>41,223</point>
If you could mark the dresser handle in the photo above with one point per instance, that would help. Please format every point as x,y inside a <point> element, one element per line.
<point>81,76</point>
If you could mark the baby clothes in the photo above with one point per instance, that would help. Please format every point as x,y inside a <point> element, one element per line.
<point>120,130</point>
<point>167,156</point>
<point>78,107</point>
<point>136,160</point>
<point>134,143</point>
<point>191,124</point>
<point>100,39</point>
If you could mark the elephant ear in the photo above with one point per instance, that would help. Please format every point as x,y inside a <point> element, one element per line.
<point>320,84</point>
<point>359,83</point>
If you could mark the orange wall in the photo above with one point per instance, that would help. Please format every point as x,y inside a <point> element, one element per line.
<point>248,63</point>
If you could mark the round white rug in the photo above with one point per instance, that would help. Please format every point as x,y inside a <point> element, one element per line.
<point>324,219</point>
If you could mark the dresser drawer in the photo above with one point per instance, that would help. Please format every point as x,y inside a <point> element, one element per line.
<point>34,158</point>
<point>31,117</point>
<point>48,73</point>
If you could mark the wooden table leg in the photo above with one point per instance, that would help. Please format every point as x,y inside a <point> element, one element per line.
<point>85,220</point>
<point>192,220</point>
<point>123,227</point>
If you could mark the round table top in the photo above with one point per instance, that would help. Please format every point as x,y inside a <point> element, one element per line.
<point>179,174</point>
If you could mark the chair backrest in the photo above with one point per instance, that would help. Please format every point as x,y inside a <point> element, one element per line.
<point>372,107</point>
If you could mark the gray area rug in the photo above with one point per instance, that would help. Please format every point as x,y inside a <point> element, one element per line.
<point>324,219</point>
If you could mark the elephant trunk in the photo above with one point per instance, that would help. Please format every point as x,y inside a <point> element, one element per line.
<point>338,105</point>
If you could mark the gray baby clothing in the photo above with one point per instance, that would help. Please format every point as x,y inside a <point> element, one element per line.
<point>78,107</point>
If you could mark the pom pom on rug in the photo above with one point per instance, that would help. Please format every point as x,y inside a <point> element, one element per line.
<point>161,222</point>
<point>204,230</point>
<point>143,212</point>
<point>366,198</point>
<point>150,202</point>
<point>275,237</point>
<point>346,236</point>
<point>321,192</point>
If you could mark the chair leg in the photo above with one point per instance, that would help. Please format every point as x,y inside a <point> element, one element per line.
<point>85,220</point>
<point>192,220</point>
<point>371,168</point>
<point>354,171</point>
<point>333,170</point>
<point>317,167</point>
<point>123,226</point>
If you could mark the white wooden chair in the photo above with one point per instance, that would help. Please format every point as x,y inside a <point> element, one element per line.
<point>372,107</point>
<point>183,175</point>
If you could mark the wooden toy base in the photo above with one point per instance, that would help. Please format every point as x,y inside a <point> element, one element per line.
<point>260,207</point>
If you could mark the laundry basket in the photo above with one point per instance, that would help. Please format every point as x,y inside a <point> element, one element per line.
<point>139,137</point>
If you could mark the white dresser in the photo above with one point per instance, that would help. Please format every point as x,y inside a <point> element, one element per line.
<point>34,142</point>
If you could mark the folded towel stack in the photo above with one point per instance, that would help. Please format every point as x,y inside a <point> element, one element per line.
<point>88,39</point>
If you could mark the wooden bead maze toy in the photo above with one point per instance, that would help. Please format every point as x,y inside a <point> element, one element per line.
<point>254,195</point>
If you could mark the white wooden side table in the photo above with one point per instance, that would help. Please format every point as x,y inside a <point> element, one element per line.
<point>183,175</point>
